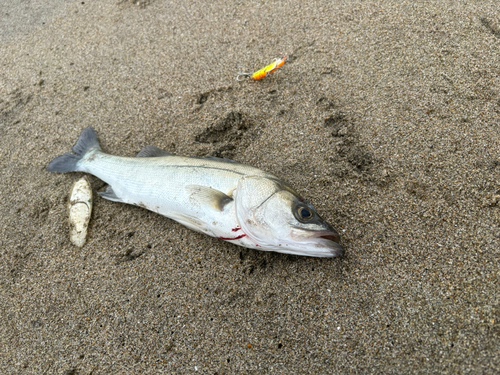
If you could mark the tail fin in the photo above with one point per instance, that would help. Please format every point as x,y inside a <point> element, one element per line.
<point>68,162</point>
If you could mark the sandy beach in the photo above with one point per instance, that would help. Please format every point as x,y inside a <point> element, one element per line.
<point>386,117</point>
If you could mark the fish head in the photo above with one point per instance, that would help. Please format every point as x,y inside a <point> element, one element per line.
<point>276,218</point>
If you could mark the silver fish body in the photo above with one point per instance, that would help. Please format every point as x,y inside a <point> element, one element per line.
<point>224,199</point>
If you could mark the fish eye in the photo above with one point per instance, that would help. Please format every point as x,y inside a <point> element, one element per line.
<point>305,213</point>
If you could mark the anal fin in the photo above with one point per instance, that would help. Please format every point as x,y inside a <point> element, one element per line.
<point>109,194</point>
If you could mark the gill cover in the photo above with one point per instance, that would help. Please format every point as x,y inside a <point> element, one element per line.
<point>251,196</point>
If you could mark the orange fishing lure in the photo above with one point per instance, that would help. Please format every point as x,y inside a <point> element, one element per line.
<point>268,69</point>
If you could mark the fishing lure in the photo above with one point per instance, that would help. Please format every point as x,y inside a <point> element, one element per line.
<point>268,69</point>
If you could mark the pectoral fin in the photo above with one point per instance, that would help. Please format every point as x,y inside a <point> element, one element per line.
<point>207,196</point>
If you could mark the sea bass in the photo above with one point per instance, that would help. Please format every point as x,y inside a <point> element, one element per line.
<point>219,197</point>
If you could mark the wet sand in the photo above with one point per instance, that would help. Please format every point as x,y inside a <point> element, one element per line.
<point>386,117</point>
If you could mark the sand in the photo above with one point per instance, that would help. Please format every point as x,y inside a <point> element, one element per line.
<point>386,117</point>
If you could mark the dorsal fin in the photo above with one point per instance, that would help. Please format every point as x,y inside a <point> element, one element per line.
<point>152,151</point>
<point>219,159</point>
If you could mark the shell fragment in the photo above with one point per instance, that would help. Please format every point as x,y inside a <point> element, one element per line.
<point>80,209</point>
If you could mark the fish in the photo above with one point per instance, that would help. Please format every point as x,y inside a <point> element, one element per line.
<point>219,197</point>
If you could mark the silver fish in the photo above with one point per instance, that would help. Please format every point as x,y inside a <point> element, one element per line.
<point>219,197</point>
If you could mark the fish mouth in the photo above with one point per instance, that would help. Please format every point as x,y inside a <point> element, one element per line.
<point>335,248</point>
<point>332,237</point>
<point>333,244</point>
<point>327,238</point>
